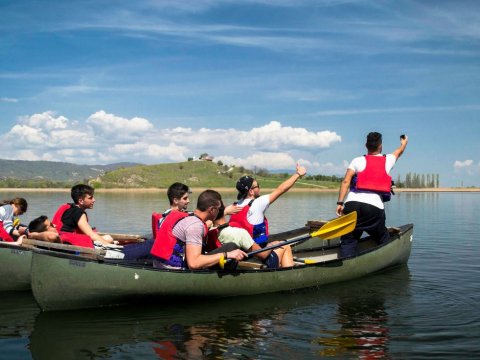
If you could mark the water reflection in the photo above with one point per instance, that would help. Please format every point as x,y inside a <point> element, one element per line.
<point>363,319</point>
<point>17,314</point>
<point>17,318</point>
<point>203,329</point>
<point>246,327</point>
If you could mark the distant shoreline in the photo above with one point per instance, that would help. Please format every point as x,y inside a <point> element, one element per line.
<point>222,190</point>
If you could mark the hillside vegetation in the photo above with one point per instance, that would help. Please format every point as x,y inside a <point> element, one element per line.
<point>200,174</point>
<point>46,172</point>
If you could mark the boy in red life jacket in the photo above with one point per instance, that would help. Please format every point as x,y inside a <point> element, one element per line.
<point>372,180</point>
<point>41,228</point>
<point>182,237</point>
<point>74,220</point>
<point>222,233</point>
<point>252,217</point>
<point>179,197</point>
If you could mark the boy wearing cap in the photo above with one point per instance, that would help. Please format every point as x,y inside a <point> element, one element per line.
<point>252,216</point>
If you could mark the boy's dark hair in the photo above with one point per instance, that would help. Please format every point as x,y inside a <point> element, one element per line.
<point>374,140</point>
<point>38,224</point>
<point>221,211</point>
<point>80,191</point>
<point>207,199</point>
<point>176,191</point>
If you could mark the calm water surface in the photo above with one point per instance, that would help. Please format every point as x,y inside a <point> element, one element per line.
<point>428,309</point>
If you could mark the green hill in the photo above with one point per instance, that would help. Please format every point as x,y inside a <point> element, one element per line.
<point>48,174</point>
<point>200,174</point>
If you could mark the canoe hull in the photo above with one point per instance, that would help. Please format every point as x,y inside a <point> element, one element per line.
<point>61,282</point>
<point>15,268</point>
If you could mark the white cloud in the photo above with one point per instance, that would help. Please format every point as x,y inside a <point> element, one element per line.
<point>26,135</point>
<point>462,164</point>
<point>466,167</point>
<point>26,154</point>
<point>146,153</point>
<point>45,120</point>
<point>105,138</point>
<point>45,130</point>
<point>271,161</point>
<point>117,126</point>
<point>346,112</point>
<point>272,136</point>
<point>8,100</point>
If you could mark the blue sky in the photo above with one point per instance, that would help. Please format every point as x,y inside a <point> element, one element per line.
<point>254,82</point>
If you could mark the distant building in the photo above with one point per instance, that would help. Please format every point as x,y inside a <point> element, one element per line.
<point>205,157</point>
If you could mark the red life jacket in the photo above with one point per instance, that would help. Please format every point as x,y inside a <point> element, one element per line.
<point>374,177</point>
<point>155,220</point>
<point>212,242</point>
<point>259,232</point>
<point>4,235</point>
<point>77,238</point>
<point>57,218</point>
<point>164,239</point>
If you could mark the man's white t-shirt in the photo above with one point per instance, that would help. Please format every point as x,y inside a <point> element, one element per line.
<point>358,164</point>
<point>256,213</point>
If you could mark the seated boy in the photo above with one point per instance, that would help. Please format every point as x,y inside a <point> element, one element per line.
<point>71,220</point>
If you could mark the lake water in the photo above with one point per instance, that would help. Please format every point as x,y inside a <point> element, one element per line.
<point>428,309</point>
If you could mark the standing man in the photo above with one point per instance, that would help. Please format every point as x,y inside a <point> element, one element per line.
<point>252,216</point>
<point>369,182</point>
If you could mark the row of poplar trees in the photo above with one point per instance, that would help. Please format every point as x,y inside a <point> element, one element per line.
<point>416,181</point>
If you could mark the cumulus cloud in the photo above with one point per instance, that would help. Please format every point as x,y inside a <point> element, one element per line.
<point>117,126</point>
<point>271,161</point>
<point>277,136</point>
<point>105,138</point>
<point>48,131</point>
<point>272,136</point>
<point>466,166</point>
<point>46,121</point>
<point>462,164</point>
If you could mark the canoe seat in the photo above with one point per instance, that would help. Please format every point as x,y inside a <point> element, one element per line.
<point>315,225</point>
<point>251,264</point>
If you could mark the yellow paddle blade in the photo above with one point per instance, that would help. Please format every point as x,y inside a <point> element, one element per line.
<point>337,227</point>
<point>16,222</point>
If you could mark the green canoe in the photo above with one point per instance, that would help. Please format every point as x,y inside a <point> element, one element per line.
<point>15,261</point>
<point>14,267</point>
<point>63,281</point>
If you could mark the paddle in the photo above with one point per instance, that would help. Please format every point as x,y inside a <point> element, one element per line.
<point>330,230</point>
